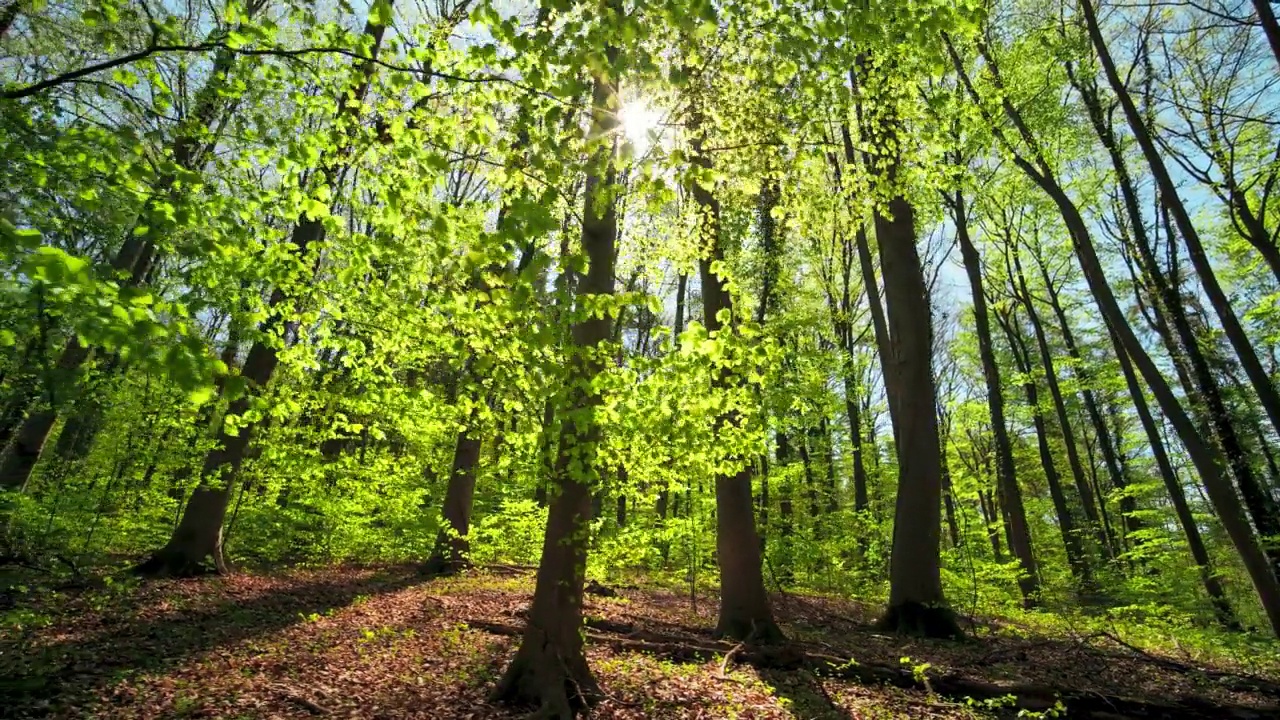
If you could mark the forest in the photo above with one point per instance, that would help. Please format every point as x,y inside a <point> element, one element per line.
<point>640,359</point>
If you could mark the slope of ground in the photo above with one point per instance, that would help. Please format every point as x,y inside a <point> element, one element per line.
<point>383,642</point>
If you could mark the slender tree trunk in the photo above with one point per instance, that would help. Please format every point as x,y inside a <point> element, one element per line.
<point>1204,455</point>
<point>745,612</point>
<point>829,459</point>
<point>1261,506</point>
<point>810,485</point>
<point>1195,543</point>
<point>550,668</point>
<point>1006,474</point>
<point>1258,376</point>
<point>1188,355</point>
<point>677,329</point>
<point>853,412</point>
<point>1077,559</point>
<point>1060,410</point>
<point>1270,28</point>
<point>1107,446</point>
<point>786,575</point>
<point>196,544</point>
<point>990,521</point>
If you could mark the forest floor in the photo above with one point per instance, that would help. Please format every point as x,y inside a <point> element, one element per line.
<point>383,642</point>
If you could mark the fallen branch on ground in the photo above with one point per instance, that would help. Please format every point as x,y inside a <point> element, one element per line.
<point>1025,696</point>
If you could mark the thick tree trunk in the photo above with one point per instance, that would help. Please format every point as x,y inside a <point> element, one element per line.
<point>1006,474</point>
<point>916,602</point>
<point>452,545</point>
<point>550,668</point>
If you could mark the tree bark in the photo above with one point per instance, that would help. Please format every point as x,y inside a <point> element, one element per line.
<point>745,612</point>
<point>550,668</point>
<point>452,545</point>
<point>1006,474</point>
<point>917,605</point>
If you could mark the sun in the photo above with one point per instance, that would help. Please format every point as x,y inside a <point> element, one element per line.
<point>638,120</point>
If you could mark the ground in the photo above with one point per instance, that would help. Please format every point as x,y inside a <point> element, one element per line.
<point>384,642</point>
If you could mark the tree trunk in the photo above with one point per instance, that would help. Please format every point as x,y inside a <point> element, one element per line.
<point>829,459</point>
<point>28,442</point>
<point>1195,543</point>
<point>1168,190</point>
<point>1188,355</point>
<point>550,668</point>
<point>1077,560</point>
<point>452,545</point>
<point>916,602</point>
<point>1060,409</point>
<point>810,485</point>
<point>852,410</point>
<point>744,605</point>
<point>1108,447</point>
<point>1205,456</point>
<point>196,545</point>
<point>786,576</point>
<point>1006,475</point>
<point>990,521</point>
<point>1270,28</point>
<point>134,259</point>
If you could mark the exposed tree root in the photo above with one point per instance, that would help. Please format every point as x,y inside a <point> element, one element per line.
<point>540,676</point>
<point>439,565</point>
<point>917,620</point>
<point>169,562</point>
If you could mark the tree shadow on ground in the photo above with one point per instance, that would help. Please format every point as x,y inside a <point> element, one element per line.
<point>133,638</point>
<point>806,696</point>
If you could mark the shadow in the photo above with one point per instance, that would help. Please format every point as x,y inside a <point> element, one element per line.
<point>48,679</point>
<point>807,696</point>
